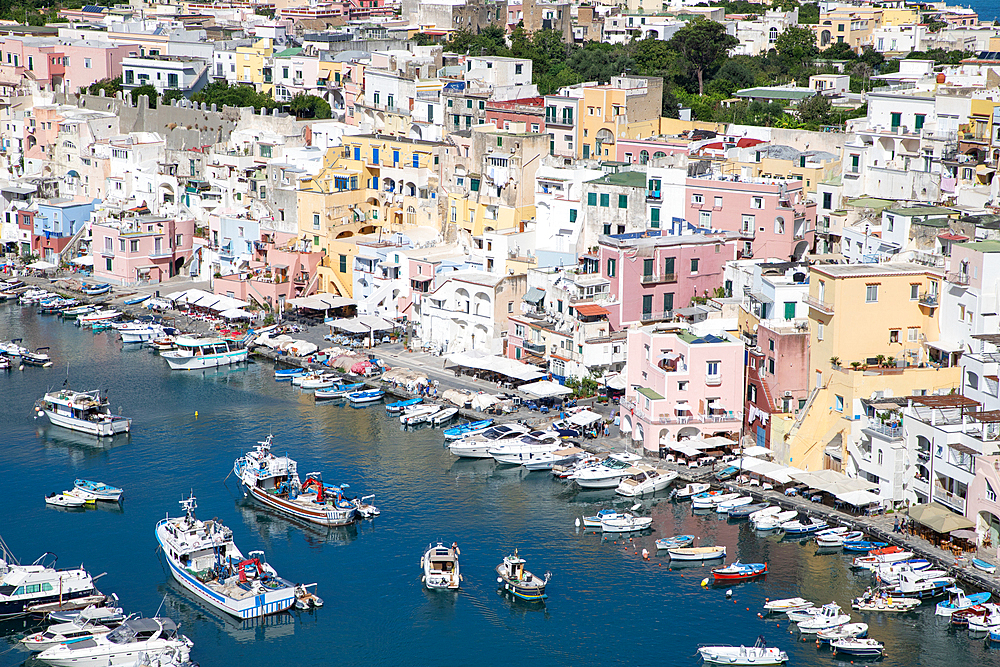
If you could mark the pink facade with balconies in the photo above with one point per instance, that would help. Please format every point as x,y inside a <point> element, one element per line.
<point>141,250</point>
<point>62,67</point>
<point>653,275</point>
<point>280,270</point>
<point>681,385</point>
<point>772,216</point>
<point>982,505</point>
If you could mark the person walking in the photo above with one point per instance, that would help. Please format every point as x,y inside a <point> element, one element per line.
<point>895,525</point>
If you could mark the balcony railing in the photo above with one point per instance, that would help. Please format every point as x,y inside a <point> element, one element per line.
<point>713,380</point>
<point>652,278</point>
<point>537,348</point>
<point>656,316</point>
<point>950,499</point>
<point>822,306</point>
<point>957,277</point>
<point>928,299</point>
<point>892,432</point>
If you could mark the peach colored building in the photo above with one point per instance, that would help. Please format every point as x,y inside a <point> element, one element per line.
<point>279,271</point>
<point>140,250</point>
<point>64,67</point>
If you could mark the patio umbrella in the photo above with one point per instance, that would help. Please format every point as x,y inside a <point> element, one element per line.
<point>42,265</point>
<point>235,314</point>
<point>939,518</point>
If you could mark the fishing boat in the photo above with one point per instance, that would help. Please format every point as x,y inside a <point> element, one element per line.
<point>558,457</point>
<point>64,500</point>
<point>645,479</point>
<point>441,569</point>
<point>689,490</point>
<point>40,357</point>
<point>846,631</point>
<point>135,300</point>
<point>626,523</point>
<point>724,507</point>
<point>84,411</point>
<point>963,617</point>
<point>122,646</point>
<point>770,510</point>
<point>862,546</point>
<point>803,527</point>
<point>608,474</point>
<point>286,374</point>
<point>959,601</point>
<point>702,502</point>
<point>881,556</point>
<point>274,482</point>
<point>675,542</point>
<point>64,633</point>
<point>865,648</point>
<point>318,381</point>
<point>203,558</point>
<point>829,541</point>
<point>25,587</point>
<point>888,573</point>
<point>758,654</point>
<point>339,390</point>
<point>988,622</point>
<point>787,604</point>
<point>197,353</point>
<point>920,586</point>
<point>470,428</point>
<point>594,521</point>
<point>443,416</point>
<point>297,380</point>
<point>417,414</point>
<point>477,446</point>
<point>97,490</point>
<point>746,510</point>
<point>399,406</point>
<point>96,289</point>
<point>828,616</point>
<point>738,571</point>
<point>520,583</point>
<point>697,553</point>
<point>367,396</point>
<point>873,601</point>
<point>984,566</point>
<point>163,343</point>
<point>73,313</point>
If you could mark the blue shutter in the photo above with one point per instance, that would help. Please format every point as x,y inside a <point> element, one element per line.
<point>357,153</point>
<point>416,161</point>
<point>375,155</point>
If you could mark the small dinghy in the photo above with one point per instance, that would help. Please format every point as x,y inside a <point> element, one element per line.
<point>758,654</point>
<point>865,648</point>
<point>804,527</point>
<point>739,571</point>
<point>305,599</point>
<point>862,546</point>
<point>689,490</point>
<point>746,510</point>
<point>675,542</point>
<point>848,631</point>
<point>399,406</point>
<point>837,540</point>
<point>873,601</point>
<point>786,605</point>
<point>443,415</point>
<point>988,568</point>
<point>697,553</point>
<point>462,430</point>
<point>595,520</point>
<point>135,300</point>
<point>64,500</point>
<point>97,490</point>
<point>626,523</point>
<point>285,374</point>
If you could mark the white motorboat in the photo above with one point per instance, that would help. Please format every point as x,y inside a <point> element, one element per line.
<point>84,411</point>
<point>829,616</point>
<point>761,513</point>
<point>804,614</point>
<point>64,633</point>
<point>888,573</point>
<point>626,523</point>
<point>26,587</point>
<point>194,353</point>
<point>274,482</point>
<point>203,558</point>
<point>803,527</point>
<point>478,446</point>
<point>608,474</point>
<point>526,448</point>
<point>140,333</point>
<point>787,604</point>
<point>104,615</point>
<point>988,622</point>
<point>864,648</point>
<point>417,414</point>
<point>64,500</point>
<point>443,415</point>
<point>726,506</point>
<point>758,654</point>
<point>299,378</point>
<point>645,479</point>
<point>831,532</point>
<point>122,646</point>
<point>441,568</point>
<point>879,557</point>
<point>40,357</point>
<point>697,553</point>
<point>317,382</point>
<point>959,601</point>
<point>846,631</point>
<point>100,315</point>
<point>97,490</point>
<point>693,489</point>
<point>773,521</point>
<point>710,502</point>
<point>13,348</point>
<point>550,460</point>
<point>839,539</point>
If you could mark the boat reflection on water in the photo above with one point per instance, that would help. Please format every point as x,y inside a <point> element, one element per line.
<point>187,611</point>
<point>468,468</point>
<point>54,436</point>
<point>271,526</point>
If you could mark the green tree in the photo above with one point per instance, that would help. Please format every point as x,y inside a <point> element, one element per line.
<point>147,90</point>
<point>701,46</point>
<point>815,111</point>
<point>240,95</point>
<point>797,46</point>
<point>839,51</point>
<point>653,57</point>
<point>809,13</point>
<point>109,86</point>
<point>171,95</point>
<point>309,106</point>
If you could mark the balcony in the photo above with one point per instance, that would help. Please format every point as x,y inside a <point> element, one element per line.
<point>653,278</point>
<point>921,486</point>
<point>822,306</point>
<point>656,316</point>
<point>713,380</point>
<point>958,277</point>
<point>884,431</point>
<point>537,348</point>
<point>949,499</point>
<point>747,233</point>
<point>654,195</point>
<point>928,299</point>
<point>161,253</point>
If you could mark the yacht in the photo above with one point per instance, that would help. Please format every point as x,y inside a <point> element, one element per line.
<point>122,646</point>
<point>566,456</point>
<point>84,411</point>
<point>645,479</point>
<point>608,474</point>
<point>64,633</point>
<point>274,482</point>
<point>440,564</point>
<point>478,446</point>
<point>526,448</point>
<point>195,353</point>
<point>204,559</point>
<point>24,587</point>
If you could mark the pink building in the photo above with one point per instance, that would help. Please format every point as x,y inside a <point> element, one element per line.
<point>276,274</point>
<point>636,151</point>
<point>62,67</point>
<point>144,249</point>
<point>530,111</point>
<point>653,274</point>
<point>680,386</point>
<point>777,376</point>
<point>772,217</point>
<point>981,502</point>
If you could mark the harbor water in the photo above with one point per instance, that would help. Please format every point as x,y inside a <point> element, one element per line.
<point>606,605</point>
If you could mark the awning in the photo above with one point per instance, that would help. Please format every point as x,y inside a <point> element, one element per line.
<point>375,323</point>
<point>584,418</point>
<point>235,314</point>
<point>948,236</point>
<point>591,310</point>
<point>945,346</point>
<point>670,356</point>
<point>649,393</point>
<point>489,362</point>
<point>859,498</point>
<point>939,518</point>
<point>322,301</point>
<point>684,449</point>
<point>832,481</point>
<point>534,295</point>
<point>756,450</point>
<point>73,173</point>
<point>42,265</point>
<point>350,325</point>
<point>616,382</point>
<point>546,389</point>
<point>86,260</point>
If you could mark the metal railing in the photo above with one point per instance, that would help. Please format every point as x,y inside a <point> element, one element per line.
<point>887,431</point>
<point>957,277</point>
<point>651,278</point>
<point>821,306</point>
<point>928,299</point>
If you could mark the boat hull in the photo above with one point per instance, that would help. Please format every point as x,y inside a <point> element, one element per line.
<point>323,517</point>
<point>103,428</point>
<point>186,363</point>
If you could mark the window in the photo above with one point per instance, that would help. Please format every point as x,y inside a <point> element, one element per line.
<point>871,294</point>
<point>87,63</point>
<point>757,202</point>
<point>839,403</point>
<point>694,265</point>
<point>682,385</point>
<point>559,305</point>
<point>265,151</point>
<point>605,200</point>
<point>748,222</point>
<point>912,334</point>
<point>622,201</point>
<point>107,264</point>
<point>133,246</point>
<point>611,268</point>
<point>591,199</point>
<point>752,393</point>
<point>918,121</point>
<point>827,200</point>
<point>897,119</point>
<point>172,81</point>
<point>697,199</point>
<point>770,365</point>
<point>454,214</point>
<point>893,335</point>
<point>668,302</point>
<point>705,219</point>
<point>654,217</point>
<point>789,311</point>
<point>712,369</point>
<point>647,305</point>
<point>718,202</point>
<point>820,330</point>
<point>572,215</point>
<point>855,163</point>
<point>315,221</point>
<point>914,291</point>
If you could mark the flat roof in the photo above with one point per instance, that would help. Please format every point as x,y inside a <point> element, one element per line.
<point>982,246</point>
<point>864,270</point>
<point>630,179</point>
<point>778,93</point>
<point>921,210</point>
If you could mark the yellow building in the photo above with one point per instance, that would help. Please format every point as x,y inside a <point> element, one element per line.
<point>250,64</point>
<point>811,168</point>
<point>980,133</point>
<point>900,16</point>
<point>848,25</point>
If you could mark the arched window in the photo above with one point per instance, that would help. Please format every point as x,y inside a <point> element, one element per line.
<point>643,157</point>
<point>772,35</point>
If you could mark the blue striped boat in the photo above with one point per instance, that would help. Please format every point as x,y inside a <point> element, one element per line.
<point>462,430</point>
<point>399,406</point>
<point>862,546</point>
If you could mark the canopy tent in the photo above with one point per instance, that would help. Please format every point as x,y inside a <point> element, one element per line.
<point>584,418</point>
<point>832,482</point>
<point>219,303</point>
<point>490,362</point>
<point>939,518</point>
<point>350,325</point>
<point>86,260</point>
<point>756,450</point>
<point>545,389</point>
<point>684,448</point>
<point>186,296</point>
<point>41,265</point>
<point>321,301</point>
<point>616,381</point>
<point>484,402</point>
<point>772,471</point>
<point>374,323</point>
<point>859,498</point>
<point>235,314</point>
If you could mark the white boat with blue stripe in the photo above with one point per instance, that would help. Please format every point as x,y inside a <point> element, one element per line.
<point>203,559</point>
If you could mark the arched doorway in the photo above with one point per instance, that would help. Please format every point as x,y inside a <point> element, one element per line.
<point>988,528</point>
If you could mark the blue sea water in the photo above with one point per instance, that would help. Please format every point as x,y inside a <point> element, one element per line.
<point>606,605</point>
<point>988,10</point>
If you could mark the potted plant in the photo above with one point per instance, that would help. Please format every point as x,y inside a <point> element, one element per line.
<point>890,361</point>
<point>855,365</point>
<point>835,362</point>
<point>880,359</point>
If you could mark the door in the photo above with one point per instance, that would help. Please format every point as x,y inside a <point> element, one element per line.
<point>761,437</point>
<point>789,310</point>
<point>647,306</point>
<point>668,267</point>
<point>647,267</point>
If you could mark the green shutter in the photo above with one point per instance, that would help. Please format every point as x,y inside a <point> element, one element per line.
<point>572,215</point>
<point>591,199</point>
<point>654,217</point>
<point>474,184</point>
<point>622,201</point>
<point>605,200</point>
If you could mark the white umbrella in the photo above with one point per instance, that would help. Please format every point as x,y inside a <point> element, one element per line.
<point>42,265</point>
<point>483,402</point>
<point>236,314</point>
<point>86,260</point>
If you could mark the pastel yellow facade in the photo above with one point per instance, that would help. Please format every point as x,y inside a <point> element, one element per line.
<point>603,119</point>
<point>892,16</point>
<point>809,172</point>
<point>848,25</point>
<point>250,62</point>
<point>981,127</point>
<point>477,217</point>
